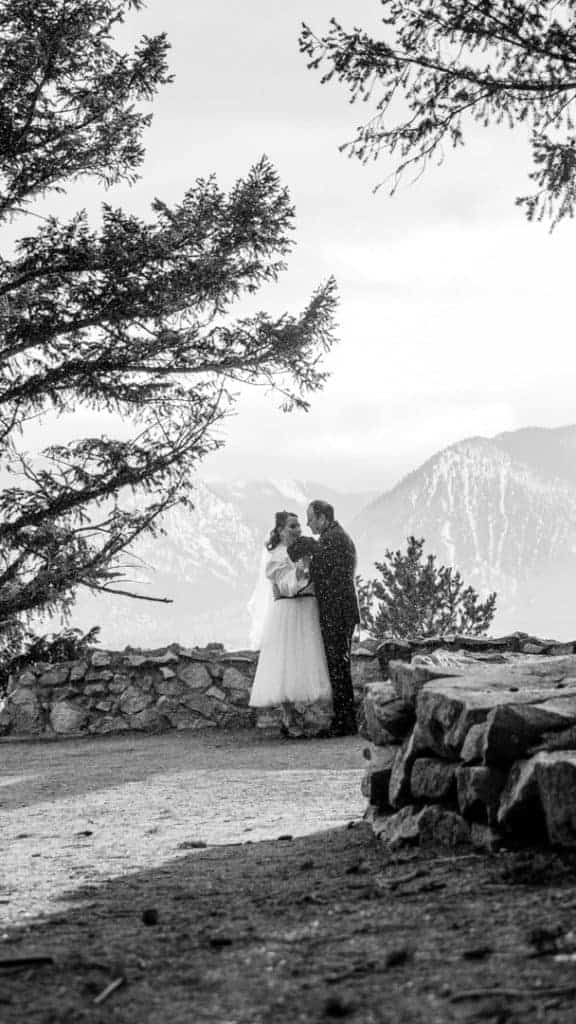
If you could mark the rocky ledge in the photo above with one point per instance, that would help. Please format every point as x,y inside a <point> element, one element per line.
<point>473,747</point>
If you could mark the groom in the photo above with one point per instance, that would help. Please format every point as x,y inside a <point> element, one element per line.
<point>332,572</point>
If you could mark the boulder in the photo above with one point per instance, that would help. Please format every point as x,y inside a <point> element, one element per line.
<point>199,704</point>
<point>432,780</point>
<point>511,729</point>
<point>25,712</point>
<point>479,788</point>
<point>386,719</point>
<point>67,718</point>
<point>132,701</point>
<point>556,780</point>
<point>194,675</point>
<point>447,709</point>
<point>431,826</point>
<point>237,685</point>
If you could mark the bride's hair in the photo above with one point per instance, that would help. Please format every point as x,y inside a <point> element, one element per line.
<point>280,520</point>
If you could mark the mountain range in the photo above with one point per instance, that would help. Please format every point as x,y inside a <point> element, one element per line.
<point>501,510</point>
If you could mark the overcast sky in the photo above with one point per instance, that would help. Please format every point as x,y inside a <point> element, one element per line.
<point>454,317</point>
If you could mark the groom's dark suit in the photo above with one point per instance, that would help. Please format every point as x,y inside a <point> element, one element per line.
<point>332,572</point>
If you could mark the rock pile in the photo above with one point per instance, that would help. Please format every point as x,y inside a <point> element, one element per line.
<point>474,747</point>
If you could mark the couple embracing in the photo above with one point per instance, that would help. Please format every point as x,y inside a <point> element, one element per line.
<point>304,612</point>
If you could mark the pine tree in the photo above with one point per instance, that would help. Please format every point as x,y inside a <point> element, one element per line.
<point>130,317</point>
<point>442,64</point>
<point>416,598</point>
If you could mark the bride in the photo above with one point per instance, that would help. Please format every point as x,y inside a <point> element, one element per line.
<point>292,669</point>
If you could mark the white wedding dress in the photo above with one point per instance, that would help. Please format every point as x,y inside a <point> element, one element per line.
<point>292,664</point>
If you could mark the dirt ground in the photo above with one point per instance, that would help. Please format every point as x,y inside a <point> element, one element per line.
<point>321,926</point>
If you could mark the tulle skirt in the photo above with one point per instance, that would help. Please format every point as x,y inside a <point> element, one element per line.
<point>292,663</point>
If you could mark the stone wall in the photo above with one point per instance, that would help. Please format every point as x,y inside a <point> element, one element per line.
<point>134,690</point>
<point>474,743</point>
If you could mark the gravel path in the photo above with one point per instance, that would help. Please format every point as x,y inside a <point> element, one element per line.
<point>77,812</point>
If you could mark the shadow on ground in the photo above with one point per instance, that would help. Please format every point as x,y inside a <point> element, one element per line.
<point>321,927</point>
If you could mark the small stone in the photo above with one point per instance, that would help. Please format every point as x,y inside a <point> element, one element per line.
<point>338,1006</point>
<point>397,957</point>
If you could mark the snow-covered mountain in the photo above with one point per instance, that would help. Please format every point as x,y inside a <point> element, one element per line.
<point>503,511</point>
<point>207,562</point>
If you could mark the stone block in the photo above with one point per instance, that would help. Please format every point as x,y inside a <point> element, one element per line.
<point>479,788</point>
<point>447,709</point>
<point>216,693</point>
<point>78,670</point>
<point>67,718</point>
<point>511,729</point>
<point>520,809</point>
<point>199,703</point>
<point>556,781</point>
<point>94,689</point>
<point>473,747</point>
<point>565,739</point>
<point>168,658</point>
<point>25,713</point>
<point>132,701</point>
<point>432,780</point>
<point>100,659</point>
<point>149,720</point>
<point>400,792</point>
<point>377,696</point>
<point>119,683</point>
<point>56,675</point>
<point>408,680</point>
<point>194,675</point>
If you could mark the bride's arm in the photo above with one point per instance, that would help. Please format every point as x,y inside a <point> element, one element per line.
<point>284,578</point>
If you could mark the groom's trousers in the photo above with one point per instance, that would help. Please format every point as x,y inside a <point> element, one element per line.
<point>337,638</point>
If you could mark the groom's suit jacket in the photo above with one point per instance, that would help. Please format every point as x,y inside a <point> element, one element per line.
<point>332,572</point>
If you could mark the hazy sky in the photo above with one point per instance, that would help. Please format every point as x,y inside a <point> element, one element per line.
<point>455,315</point>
